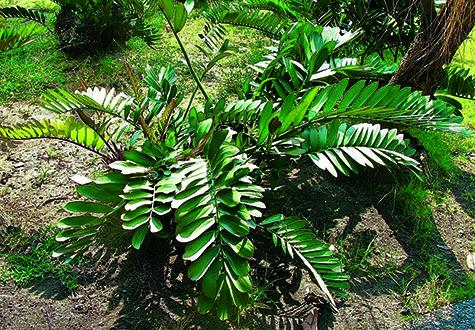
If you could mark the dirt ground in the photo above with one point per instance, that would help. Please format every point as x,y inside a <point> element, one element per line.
<point>146,289</point>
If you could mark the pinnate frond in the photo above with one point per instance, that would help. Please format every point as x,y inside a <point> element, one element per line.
<point>103,203</point>
<point>458,82</point>
<point>69,130</point>
<point>147,199</point>
<point>299,241</point>
<point>390,105</point>
<point>18,36</point>
<point>94,99</point>
<point>215,207</point>
<point>21,12</point>
<point>241,15</point>
<point>339,148</point>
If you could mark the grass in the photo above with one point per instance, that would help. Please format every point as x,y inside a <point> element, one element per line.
<point>28,259</point>
<point>430,280</point>
<point>27,72</point>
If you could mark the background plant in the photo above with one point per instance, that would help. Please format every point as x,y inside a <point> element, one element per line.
<point>93,25</point>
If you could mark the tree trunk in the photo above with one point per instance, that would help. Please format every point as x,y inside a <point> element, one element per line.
<point>436,44</point>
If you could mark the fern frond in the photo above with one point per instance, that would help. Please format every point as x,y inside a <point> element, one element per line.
<point>21,12</point>
<point>298,240</point>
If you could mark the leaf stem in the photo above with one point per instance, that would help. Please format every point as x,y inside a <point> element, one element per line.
<point>185,55</point>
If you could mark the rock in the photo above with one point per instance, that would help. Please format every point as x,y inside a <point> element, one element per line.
<point>471,261</point>
<point>405,311</point>
<point>18,165</point>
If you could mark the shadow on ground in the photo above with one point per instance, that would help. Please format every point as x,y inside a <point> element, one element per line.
<point>150,287</point>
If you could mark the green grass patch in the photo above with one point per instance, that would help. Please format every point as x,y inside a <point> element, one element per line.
<point>28,259</point>
<point>28,3</point>
<point>29,71</point>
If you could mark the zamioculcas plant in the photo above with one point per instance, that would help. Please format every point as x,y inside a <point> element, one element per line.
<point>198,173</point>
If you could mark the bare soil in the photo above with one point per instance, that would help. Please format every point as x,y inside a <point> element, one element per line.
<point>148,289</point>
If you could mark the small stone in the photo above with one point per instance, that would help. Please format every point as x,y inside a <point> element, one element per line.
<point>405,311</point>
<point>18,165</point>
<point>471,261</point>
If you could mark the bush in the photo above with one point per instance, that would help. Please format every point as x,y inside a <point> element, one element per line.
<point>93,25</point>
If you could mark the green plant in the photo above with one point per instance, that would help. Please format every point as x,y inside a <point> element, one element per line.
<point>199,173</point>
<point>43,175</point>
<point>92,25</point>
<point>309,55</point>
<point>18,36</point>
<point>389,27</point>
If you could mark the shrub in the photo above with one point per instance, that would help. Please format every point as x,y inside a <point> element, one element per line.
<point>93,25</point>
<point>199,173</point>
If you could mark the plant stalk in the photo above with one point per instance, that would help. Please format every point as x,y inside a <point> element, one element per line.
<point>185,55</point>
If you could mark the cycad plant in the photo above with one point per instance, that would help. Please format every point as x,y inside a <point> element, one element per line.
<point>198,173</point>
<point>93,25</point>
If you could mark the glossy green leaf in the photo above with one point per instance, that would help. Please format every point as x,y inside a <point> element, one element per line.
<point>210,282</point>
<point>239,265</point>
<point>180,15</point>
<point>205,304</point>
<point>234,225</point>
<point>76,221</point>
<point>139,236</point>
<point>197,247</point>
<point>229,197</point>
<point>199,267</point>
<point>108,193</point>
<point>87,207</point>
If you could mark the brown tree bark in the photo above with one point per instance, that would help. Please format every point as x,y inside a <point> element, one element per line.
<point>436,44</point>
